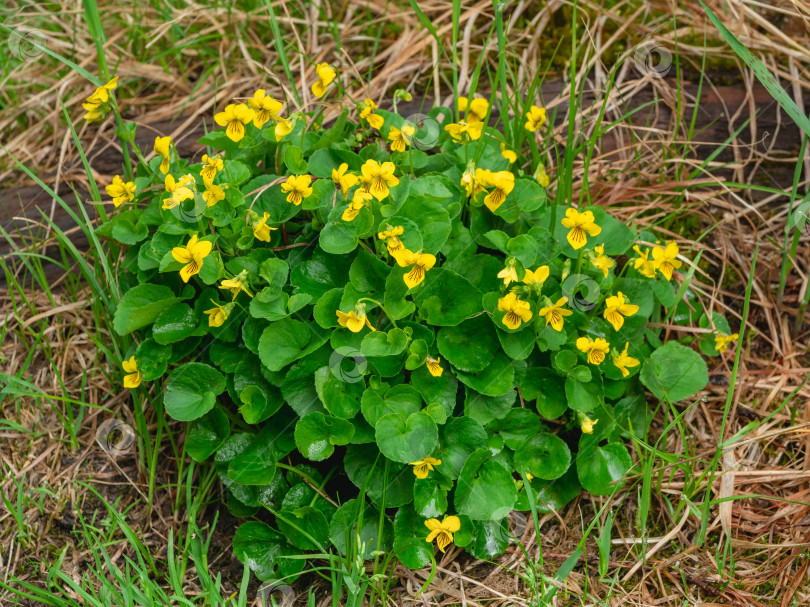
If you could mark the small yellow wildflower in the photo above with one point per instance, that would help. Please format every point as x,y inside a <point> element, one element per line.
<point>509,273</point>
<point>218,315</point>
<point>587,424</point>
<point>237,284</point>
<point>234,118</point>
<point>377,178</point>
<point>264,108</point>
<point>642,263</point>
<point>624,361</point>
<point>344,179</point>
<point>721,341</point>
<point>460,131</point>
<point>211,166</point>
<point>354,320</point>
<point>470,183</point>
<point>261,231</point>
<point>297,188</point>
<point>400,139</point>
<point>283,127</point>
<point>212,194</point>
<point>358,202</point>
<point>580,223</point>
<point>121,191</point>
<point>102,93</point>
<point>476,109</point>
<point>423,466</point>
<point>596,349</point>
<point>421,262</point>
<point>179,190</point>
<point>555,314</point>
<point>502,181</point>
<point>133,378</point>
<point>600,262</point>
<point>367,114</point>
<point>541,176</point>
<point>442,531</point>
<point>192,255</point>
<point>326,74</point>
<point>666,259</point>
<point>97,104</point>
<point>390,235</point>
<point>535,118</point>
<point>616,309</point>
<point>434,367</point>
<point>162,148</point>
<point>508,154</point>
<point>536,278</point>
<point>517,311</point>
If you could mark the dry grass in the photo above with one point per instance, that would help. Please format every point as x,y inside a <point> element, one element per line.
<point>763,537</point>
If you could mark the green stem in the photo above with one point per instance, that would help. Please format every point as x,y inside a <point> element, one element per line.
<point>374,301</point>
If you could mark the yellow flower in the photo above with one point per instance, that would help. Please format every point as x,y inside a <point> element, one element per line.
<point>95,111</point>
<point>595,349</point>
<point>297,187</point>
<point>517,311</point>
<point>400,139</point>
<point>121,191</point>
<point>458,131</point>
<point>435,369</point>
<point>616,309</point>
<point>162,148</point>
<point>504,183</point>
<point>390,235</point>
<point>358,202</point>
<point>367,114</point>
<point>218,315</point>
<point>666,259</point>
<point>102,93</point>
<point>508,154</point>
<point>192,255</point>
<point>580,223</point>
<point>423,466</point>
<point>133,379</point>
<point>469,180</point>
<point>623,361</point>
<point>377,178</point>
<point>443,531</point>
<point>179,190</point>
<point>535,118</point>
<point>421,262</point>
<point>555,314</point>
<point>642,263</point>
<point>600,262</point>
<point>211,166</point>
<point>541,176</point>
<point>325,74</point>
<point>283,128</point>
<point>234,118</point>
<point>264,108</point>
<point>237,284</point>
<point>476,109</point>
<point>343,178</point>
<point>212,194</point>
<point>261,231</point>
<point>354,320</point>
<point>587,424</point>
<point>509,273</point>
<point>721,341</point>
<point>536,278</point>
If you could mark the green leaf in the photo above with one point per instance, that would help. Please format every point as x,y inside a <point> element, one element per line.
<point>495,380</point>
<point>484,409</point>
<point>349,521</point>
<point>174,323</point>
<point>316,435</point>
<point>518,425</point>
<point>264,550</point>
<point>548,388</point>
<point>674,372</point>
<point>366,469</point>
<point>429,499</point>
<point>192,391</point>
<point>205,434</point>
<point>303,525</point>
<point>152,359</point>
<point>408,439</point>
<point>469,346</point>
<point>485,489</point>
<point>599,467</point>
<point>294,159</point>
<point>409,539</point>
<point>446,299</point>
<point>341,398</point>
<point>524,248</point>
<point>402,399</point>
<point>141,305</point>
<point>436,389</point>
<point>460,437</point>
<point>432,219</point>
<point>490,539</point>
<point>544,455</point>
<point>583,396</point>
<point>381,343</point>
<point>285,341</point>
<point>256,465</point>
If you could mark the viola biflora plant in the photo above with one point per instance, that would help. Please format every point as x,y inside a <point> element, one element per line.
<point>385,346</point>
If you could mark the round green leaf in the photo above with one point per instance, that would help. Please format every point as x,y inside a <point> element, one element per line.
<point>469,346</point>
<point>192,391</point>
<point>599,468</point>
<point>174,323</point>
<point>674,372</point>
<point>544,455</point>
<point>263,549</point>
<point>316,435</point>
<point>408,439</point>
<point>366,467</point>
<point>206,434</point>
<point>460,437</point>
<point>485,489</point>
<point>305,527</point>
